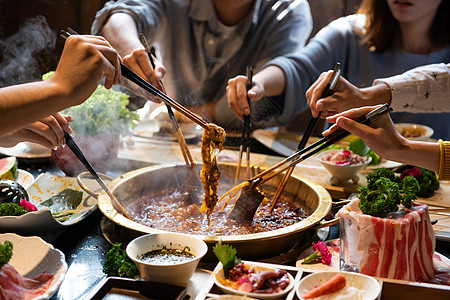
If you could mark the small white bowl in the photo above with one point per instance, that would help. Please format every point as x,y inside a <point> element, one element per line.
<point>178,273</point>
<point>342,173</point>
<point>226,289</point>
<point>369,286</point>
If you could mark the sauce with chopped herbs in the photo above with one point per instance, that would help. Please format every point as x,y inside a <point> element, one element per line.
<point>167,256</point>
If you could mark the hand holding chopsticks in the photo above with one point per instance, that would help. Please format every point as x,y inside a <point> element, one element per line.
<point>130,75</point>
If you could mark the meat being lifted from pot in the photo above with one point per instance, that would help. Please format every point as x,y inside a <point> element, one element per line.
<point>211,140</point>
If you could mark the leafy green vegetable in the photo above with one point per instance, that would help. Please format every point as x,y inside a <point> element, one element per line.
<point>384,192</point>
<point>5,253</point>
<point>119,264</point>
<point>227,256</point>
<point>11,209</point>
<point>427,180</point>
<point>105,111</point>
<point>66,199</point>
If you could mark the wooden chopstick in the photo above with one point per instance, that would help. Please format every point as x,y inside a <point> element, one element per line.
<point>328,91</point>
<point>180,137</point>
<point>133,77</point>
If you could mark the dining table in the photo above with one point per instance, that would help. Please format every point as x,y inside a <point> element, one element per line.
<point>86,243</point>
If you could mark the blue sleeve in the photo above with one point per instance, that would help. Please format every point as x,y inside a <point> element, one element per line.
<point>334,43</point>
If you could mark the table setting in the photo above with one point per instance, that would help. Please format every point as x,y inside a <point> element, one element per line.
<point>249,235</point>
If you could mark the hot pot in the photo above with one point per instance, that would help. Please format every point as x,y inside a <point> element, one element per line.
<point>314,199</point>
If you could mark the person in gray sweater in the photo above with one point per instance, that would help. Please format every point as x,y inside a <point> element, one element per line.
<point>200,44</point>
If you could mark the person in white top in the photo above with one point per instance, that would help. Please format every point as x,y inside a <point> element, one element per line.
<point>419,90</point>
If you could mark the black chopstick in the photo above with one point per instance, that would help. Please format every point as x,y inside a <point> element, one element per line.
<point>328,91</point>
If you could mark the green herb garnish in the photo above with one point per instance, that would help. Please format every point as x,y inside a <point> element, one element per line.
<point>11,209</point>
<point>119,264</point>
<point>384,192</point>
<point>227,256</point>
<point>359,147</point>
<point>5,253</point>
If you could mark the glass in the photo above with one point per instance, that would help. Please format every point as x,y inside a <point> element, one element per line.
<point>349,256</point>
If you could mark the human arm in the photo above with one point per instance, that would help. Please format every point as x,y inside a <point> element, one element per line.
<point>85,59</point>
<point>422,89</point>
<point>385,140</point>
<point>121,30</point>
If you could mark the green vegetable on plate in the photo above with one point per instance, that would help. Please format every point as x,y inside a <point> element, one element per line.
<point>227,256</point>
<point>11,209</point>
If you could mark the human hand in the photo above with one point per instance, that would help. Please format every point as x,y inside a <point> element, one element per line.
<point>85,59</point>
<point>382,136</point>
<point>139,62</point>
<point>237,94</point>
<point>48,132</point>
<point>345,96</point>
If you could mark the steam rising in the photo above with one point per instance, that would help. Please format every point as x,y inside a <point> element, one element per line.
<point>21,52</point>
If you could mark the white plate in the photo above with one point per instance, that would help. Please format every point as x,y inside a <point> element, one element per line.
<point>150,129</point>
<point>24,178</point>
<point>425,131</point>
<point>42,221</point>
<point>369,286</point>
<point>218,272</point>
<point>32,256</point>
<point>27,150</point>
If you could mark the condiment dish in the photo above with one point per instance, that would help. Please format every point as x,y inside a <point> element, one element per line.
<point>171,273</point>
<point>341,173</point>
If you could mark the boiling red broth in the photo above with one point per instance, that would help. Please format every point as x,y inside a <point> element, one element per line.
<point>172,210</point>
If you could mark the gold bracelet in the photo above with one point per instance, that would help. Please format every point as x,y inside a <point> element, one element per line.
<point>444,162</point>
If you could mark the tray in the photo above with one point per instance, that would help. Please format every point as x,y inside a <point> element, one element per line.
<point>117,287</point>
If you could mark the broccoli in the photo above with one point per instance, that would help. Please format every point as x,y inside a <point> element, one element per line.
<point>384,192</point>
<point>119,264</point>
<point>11,209</point>
<point>5,253</point>
<point>427,180</point>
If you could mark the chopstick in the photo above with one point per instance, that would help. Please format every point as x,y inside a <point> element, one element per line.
<point>79,154</point>
<point>246,131</point>
<point>328,91</point>
<point>181,140</point>
<point>316,147</point>
<point>133,77</point>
